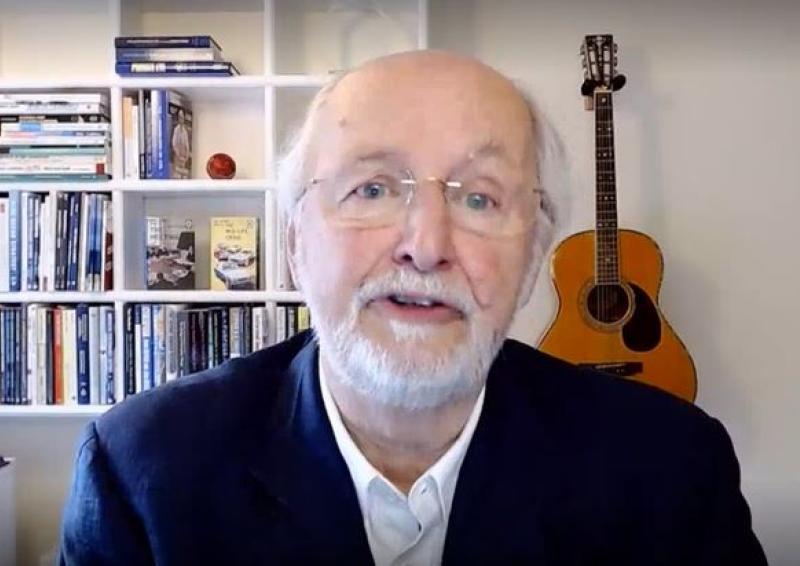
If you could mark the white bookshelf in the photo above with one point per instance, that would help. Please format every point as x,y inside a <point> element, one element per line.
<point>285,49</point>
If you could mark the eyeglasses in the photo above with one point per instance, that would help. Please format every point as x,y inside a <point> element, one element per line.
<point>380,198</point>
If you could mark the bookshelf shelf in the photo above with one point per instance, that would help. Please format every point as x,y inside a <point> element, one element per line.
<point>286,49</point>
<point>52,410</point>
<point>56,297</point>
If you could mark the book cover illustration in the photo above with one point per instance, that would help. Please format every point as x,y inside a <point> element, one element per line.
<point>234,253</point>
<point>170,253</point>
<point>179,129</point>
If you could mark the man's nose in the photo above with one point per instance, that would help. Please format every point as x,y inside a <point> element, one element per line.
<point>426,242</point>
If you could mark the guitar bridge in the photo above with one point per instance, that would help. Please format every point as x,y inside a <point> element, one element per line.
<point>621,369</point>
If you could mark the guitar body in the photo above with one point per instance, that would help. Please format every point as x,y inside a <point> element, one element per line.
<point>617,328</point>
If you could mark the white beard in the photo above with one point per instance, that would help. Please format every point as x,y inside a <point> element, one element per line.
<point>408,374</point>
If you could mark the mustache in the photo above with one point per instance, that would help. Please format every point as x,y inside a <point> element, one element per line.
<point>406,282</point>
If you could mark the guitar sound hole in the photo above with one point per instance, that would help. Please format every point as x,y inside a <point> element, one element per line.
<point>607,303</point>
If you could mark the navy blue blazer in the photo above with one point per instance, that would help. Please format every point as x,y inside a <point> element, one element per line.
<point>239,465</point>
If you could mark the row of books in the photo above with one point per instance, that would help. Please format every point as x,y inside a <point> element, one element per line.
<point>157,135</point>
<point>167,341</point>
<point>54,136</point>
<point>171,55</point>
<point>290,318</point>
<point>56,243</point>
<point>171,254</point>
<point>57,355</point>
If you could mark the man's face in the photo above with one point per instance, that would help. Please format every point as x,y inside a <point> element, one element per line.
<point>413,312</point>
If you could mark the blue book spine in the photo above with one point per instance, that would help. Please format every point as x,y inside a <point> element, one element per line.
<point>3,373</point>
<point>148,137</point>
<point>147,347</point>
<point>14,240</point>
<point>29,239</point>
<point>84,381</point>
<point>74,240</point>
<point>152,42</point>
<point>163,135</point>
<point>13,347</point>
<point>110,396</point>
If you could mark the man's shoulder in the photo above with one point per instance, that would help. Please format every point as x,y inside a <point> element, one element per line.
<point>588,404</point>
<point>212,406</point>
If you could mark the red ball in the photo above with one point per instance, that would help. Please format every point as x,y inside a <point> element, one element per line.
<point>221,166</point>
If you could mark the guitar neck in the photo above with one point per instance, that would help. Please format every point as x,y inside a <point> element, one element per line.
<point>606,240</point>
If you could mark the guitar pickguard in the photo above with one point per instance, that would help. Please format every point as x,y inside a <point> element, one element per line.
<point>642,331</point>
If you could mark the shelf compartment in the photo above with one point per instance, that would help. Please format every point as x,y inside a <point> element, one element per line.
<point>76,36</point>
<point>236,25</point>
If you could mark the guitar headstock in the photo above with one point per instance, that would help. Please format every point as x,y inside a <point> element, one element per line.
<point>599,55</point>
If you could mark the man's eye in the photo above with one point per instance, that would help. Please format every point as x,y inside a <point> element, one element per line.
<point>372,191</point>
<point>479,201</point>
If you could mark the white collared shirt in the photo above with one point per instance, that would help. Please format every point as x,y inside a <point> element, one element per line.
<point>403,530</point>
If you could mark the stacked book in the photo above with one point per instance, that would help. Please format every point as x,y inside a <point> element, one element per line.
<point>171,55</point>
<point>60,242</point>
<point>157,135</point>
<point>54,136</point>
<point>167,341</point>
<point>57,355</point>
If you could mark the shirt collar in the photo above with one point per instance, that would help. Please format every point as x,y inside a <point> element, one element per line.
<point>444,471</point>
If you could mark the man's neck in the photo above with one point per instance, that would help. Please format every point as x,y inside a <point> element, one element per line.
<point>400,444</point>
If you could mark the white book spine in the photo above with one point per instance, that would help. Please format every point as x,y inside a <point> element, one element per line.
<point>69,342</point>
<point>138,350</point>
<point>102,352</point>
<point>258,328</point>
<point>235,333</point>
<point>172,343</point>
<point>32,353</point>
<point>280,320</point>
<point>41,356</point>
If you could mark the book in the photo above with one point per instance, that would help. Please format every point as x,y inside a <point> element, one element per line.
<point>4,250</point>
<point>175,151</point>
<point>169,41</point>
<point>234,252</point>
<point>207,68</point>
<point>170,253</point>
<point>167,54</point>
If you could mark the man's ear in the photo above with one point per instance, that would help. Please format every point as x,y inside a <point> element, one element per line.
<point>292,246</point>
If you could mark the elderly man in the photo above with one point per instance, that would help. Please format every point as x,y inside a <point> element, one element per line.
<point>406,430</point>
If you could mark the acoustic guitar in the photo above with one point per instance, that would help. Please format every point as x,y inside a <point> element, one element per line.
<point>608,279</point>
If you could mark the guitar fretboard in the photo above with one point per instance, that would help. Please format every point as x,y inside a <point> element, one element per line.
<point>606,252</point>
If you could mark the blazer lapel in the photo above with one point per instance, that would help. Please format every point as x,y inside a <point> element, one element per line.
<point>496,512</point>
<point>298,466</point>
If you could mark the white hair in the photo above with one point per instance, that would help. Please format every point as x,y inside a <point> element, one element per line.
<point>295,164</point>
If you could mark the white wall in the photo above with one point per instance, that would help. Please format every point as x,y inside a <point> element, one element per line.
<point>707,162</point>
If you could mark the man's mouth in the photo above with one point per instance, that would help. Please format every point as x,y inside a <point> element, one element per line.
<point>416,308</point>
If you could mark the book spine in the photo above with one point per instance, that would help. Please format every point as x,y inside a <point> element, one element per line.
<point>14,244</point>
<point>222,68</point>
<point>41,356</point>
<point>50,359</point>
<point>163,135</point>
<point>172,346</point>
<point>27,241</point>
<point>147,347</point>
<point>155,134</point>
<point>138,348</point>
<point>55,108</point>
<point>174,41</point>
<point>234,315</point>
<point>184,346</point>
<point>148,138</point>
<point>109,385</point>
<point>83,242</point>
<point>159,345</point>
<point>167,54</point>
<point>141,135</point>
<point>84,379</point>
<point>108,246</point>
<point>127,139</point>
<point>58,362</point>
<point>95,391</point>
<point>69,341</point>
<point>32,352</point>
<point>129,352</point>
<point>37,242</point>
<point>224,338</point>
<point>4,250</point>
